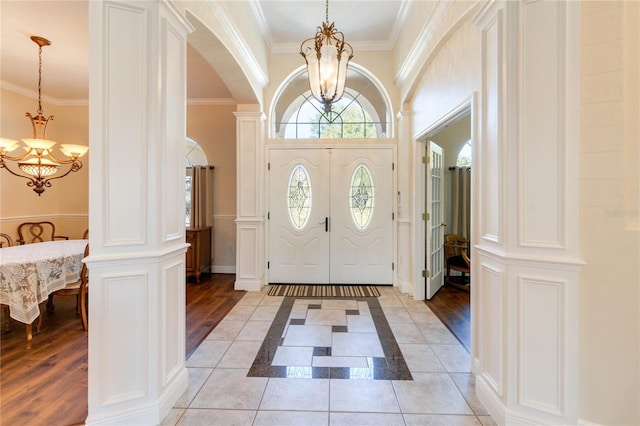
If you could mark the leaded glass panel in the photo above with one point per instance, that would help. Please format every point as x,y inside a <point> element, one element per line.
<point>299,196</point>
<point>361,197</point>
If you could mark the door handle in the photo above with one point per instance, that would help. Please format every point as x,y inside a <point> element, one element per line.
<point>443,224</point>
<point>326,224</point>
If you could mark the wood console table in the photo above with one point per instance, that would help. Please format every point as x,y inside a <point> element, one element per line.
<point>199,253</point>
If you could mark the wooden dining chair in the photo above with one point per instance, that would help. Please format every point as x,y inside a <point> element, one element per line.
<point>456,256</point>
<point>37,232</point>
<point>79,289</point>
<point>5,240</point>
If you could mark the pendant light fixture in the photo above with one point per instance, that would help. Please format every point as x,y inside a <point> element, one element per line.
<point>327,56</point>
<point>38,164</point>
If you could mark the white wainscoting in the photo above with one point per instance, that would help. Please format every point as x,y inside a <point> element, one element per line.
<point>527,271</point>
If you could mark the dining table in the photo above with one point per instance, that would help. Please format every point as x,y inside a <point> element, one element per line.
<point>29,273</point>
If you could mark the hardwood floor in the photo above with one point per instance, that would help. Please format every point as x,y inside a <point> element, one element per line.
<point>47,384</point>
<point>451,305</point>
<point>208,302</point>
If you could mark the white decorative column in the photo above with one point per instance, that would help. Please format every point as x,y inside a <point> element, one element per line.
<point>405,208</point>
<point>136,211</point>
<point>250,220</point>
<point>526,261</point>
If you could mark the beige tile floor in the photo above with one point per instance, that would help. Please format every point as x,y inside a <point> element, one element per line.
<point>441,391</point>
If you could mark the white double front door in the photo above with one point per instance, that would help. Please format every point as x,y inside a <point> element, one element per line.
<point>331,216</point>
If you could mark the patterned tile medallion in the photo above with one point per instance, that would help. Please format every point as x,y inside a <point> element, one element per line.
<point>337,338</point>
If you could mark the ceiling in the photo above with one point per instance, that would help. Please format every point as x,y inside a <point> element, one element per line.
<point>284,23</point>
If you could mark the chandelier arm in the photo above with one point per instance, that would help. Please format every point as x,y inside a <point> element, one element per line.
<point>32,180</point>
<point>39,183</point>
<point>3,165</point>
<point>20,157</point>
<point>57,160</point>
<point>75,166</point>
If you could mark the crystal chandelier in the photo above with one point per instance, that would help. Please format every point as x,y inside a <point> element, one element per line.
<point>34,164</point>
<point>327,56</point>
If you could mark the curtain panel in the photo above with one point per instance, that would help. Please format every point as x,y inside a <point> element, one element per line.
<point>201,196</point>
<point>461,201</point>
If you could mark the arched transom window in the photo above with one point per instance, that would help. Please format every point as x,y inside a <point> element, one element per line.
<point>362,112</point>
<point>464,156</point>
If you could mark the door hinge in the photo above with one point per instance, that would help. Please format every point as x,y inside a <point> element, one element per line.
<point>268,215</point>
<point>425,274</point>
<point>268,265</point>
<point>393,166</point>
<point>426,159</point>
<point>426,216</point>
<point>269,166</point>
<point>393,266</point>
<point>393,215</point>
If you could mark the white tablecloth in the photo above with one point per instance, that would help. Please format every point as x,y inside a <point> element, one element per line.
<point>29,273</point>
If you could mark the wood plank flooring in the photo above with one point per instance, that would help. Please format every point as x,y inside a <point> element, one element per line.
<point>47,384</point>
<point>451,306</point>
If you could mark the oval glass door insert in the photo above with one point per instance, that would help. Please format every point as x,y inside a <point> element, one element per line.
<point>299,196</point>
<point>361,196</point>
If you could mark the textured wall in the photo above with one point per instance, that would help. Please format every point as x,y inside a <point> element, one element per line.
<point>609,297</point>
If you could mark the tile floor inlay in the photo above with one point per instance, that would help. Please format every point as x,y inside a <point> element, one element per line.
<point>323,362</point>
<point>336,338</point>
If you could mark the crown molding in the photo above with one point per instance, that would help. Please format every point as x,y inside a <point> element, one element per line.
<point>262,23</point>
<point>240,45</point>
<point>5,85</point>
<point>418,52</point>
<point>211,101</point>
<point>399,22</point>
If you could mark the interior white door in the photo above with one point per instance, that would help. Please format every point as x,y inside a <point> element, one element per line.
<point>435,224</point>
<point>331,216</point>
<point>361,216</point>
<point>298,216</point>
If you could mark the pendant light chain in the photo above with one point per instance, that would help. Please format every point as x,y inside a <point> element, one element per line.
<point>327,12</point>
<point>39,78</point>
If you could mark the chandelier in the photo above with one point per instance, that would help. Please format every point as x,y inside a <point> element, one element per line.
<point>327,56</point>
<point>38,164</point>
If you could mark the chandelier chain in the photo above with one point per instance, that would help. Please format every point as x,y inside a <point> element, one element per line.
<point>327,12</point>
<point>39,79</point>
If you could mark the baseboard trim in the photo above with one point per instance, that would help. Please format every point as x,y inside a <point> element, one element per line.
<point>151,413</point>
<point>490,400</point>
<point>507,416</point>
<point>248,285</point>
<point>221,269</point>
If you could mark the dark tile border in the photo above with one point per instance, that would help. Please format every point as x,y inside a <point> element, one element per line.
<point>391,367</point>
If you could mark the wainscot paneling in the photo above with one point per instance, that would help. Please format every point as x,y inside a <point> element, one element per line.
<point>542,141</point>
<point>172,200</point>
<point>124,366</point>
<point>541,329</point>
<point>126,202</point>
<point>173,319</point>
<point>492,324</point>
<point>489,190</point>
